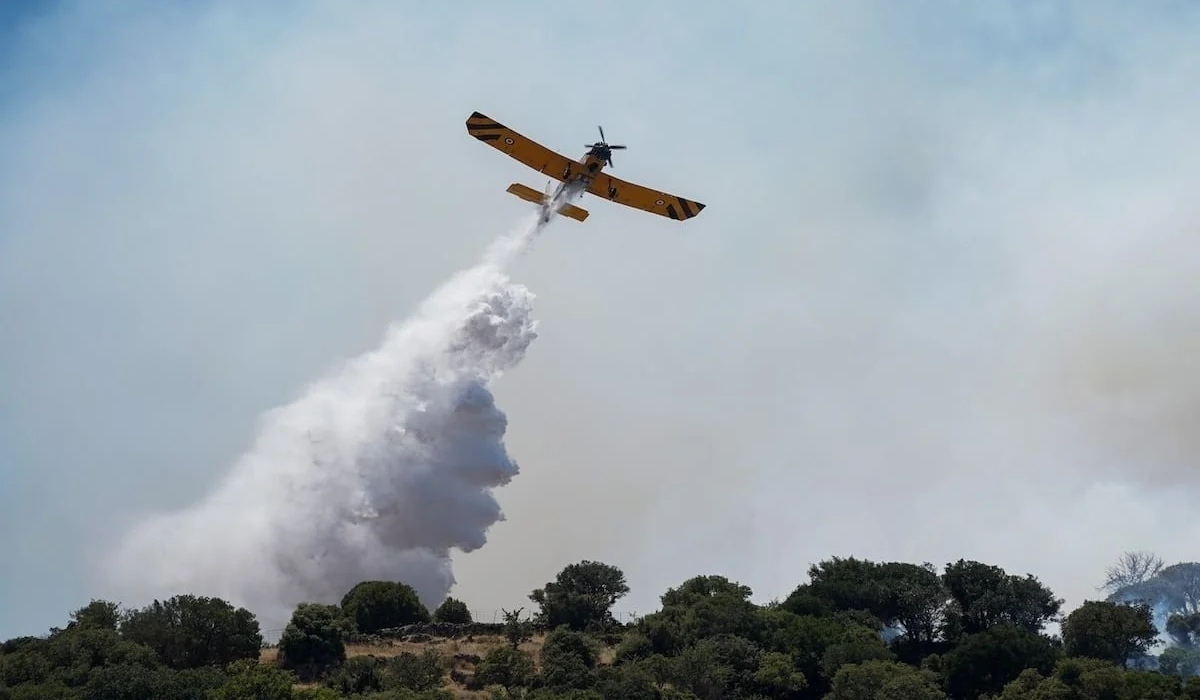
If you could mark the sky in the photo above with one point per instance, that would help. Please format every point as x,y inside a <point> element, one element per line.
<point>939,304</point>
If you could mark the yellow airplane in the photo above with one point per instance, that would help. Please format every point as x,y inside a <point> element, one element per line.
<point>577,177</point>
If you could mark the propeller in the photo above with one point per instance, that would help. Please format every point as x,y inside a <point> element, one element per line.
<point>603,144</point>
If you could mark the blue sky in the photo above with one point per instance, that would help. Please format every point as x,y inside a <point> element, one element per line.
<point>938,306</point>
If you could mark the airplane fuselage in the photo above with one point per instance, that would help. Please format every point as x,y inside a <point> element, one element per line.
<point>576,180</point>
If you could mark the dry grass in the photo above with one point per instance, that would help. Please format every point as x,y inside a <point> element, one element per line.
<point>457,654</point>
<point>479,646</point>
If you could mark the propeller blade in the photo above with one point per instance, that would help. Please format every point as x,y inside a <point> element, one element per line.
<point>601,133</point>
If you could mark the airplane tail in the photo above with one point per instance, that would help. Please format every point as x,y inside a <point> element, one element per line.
<point>531,195</point>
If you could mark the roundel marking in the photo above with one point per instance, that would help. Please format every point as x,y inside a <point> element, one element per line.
<point>508,140</point>
<point>660,202</point>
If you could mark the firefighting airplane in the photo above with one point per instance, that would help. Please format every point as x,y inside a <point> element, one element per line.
<point>576,177</point>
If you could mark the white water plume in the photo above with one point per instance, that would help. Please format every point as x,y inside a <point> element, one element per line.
<point>376,472</point>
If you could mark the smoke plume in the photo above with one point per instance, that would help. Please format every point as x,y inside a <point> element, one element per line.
<point>376,472</point>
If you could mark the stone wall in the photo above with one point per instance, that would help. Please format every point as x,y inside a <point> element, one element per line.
<point>423,632</point>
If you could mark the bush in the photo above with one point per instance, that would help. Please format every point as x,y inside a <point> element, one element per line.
<point>376,605</point>
<point>452,611</point>
<point>186,631</point>
<point>505,666</point>
<point>313,641</point>
<point>409,671</point>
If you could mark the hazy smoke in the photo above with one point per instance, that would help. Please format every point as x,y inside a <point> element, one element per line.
<point>375,472</point>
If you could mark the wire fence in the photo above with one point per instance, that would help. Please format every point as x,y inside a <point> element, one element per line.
<point>496,617</point>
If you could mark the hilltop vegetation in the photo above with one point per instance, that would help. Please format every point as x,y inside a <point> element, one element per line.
<point>856,630</point>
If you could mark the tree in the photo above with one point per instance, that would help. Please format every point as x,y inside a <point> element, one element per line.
<point>516,629</point>
<point>133,682</point>
<point>1108,631</point>
<point>729,666</point>
<point>1184,629</point>
<point>250,679</point>
<point>700,608</point>
<point>883,680</point>
<point>567,660</point>
<point>581,596</point>
<point>419,672</point>
<point>1184,582</point>
<point>919,601</point>
<point>700,588</point>
<point>986,596</point>
<point>98,614</point>
<point>984,662</point>
<point>909,598</point>
<point>188,631</point>
<point>854,645</point>
<point>314,640</point>
<point>505,666</point>
<point>1175,588</point>
<point>452,611</point>
<point>1182,659</point>
<point>844,584</point>
<point>377,605</point>
<point>1131,569</point>
<point>359,675</point>
<point>629,682</point>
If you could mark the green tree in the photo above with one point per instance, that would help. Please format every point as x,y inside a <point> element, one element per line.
<point>1108,631</point>
<point>1183,658</point>
<point>777,676</point>
<point>72,654</point>
<point>700,608</point>
<point>985,662</point>
<point>505,666</point>
<point>1175,587</point>
<point>909,598</point>
<point>818,646</point>
<point>1183,580</point>
<point>1184,629</point>
<point>314,640</point>
<point>135,682</point>
<point>452,611</point>
<point>251,680</point>
<point>581,596</point>
<point>409,671</point>
<point>568,659</point>
<point>358,675</point>
<point>188,631</point>
<point>985,596</point>
<point>629,682</point>
<point>1180,661</point>
<point>853,645</point>
<point>883,680</point>
<point>634,645</point>
<point>718,667</point>
<point>376,605</point>
<point>516,629</point>
<point>98,614</point>
<point>1090,679</point>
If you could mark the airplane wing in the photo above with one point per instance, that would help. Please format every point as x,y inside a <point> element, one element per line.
<point>644,198</point>
<point>523,149</point>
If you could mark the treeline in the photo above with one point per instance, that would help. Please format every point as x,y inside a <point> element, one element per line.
<point>856,630</point>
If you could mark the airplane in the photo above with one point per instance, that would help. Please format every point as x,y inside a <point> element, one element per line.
<point>576,177</point>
